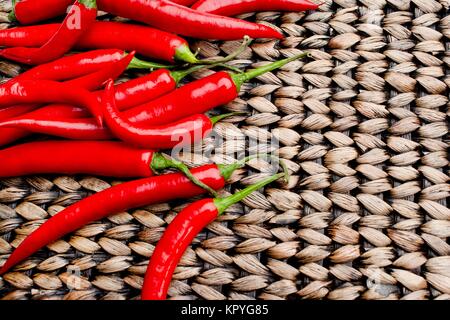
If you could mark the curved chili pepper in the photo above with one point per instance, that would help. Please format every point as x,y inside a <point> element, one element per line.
<point>30,11</point>
<point>110,159</point>
<point>9,135</point>
<point>186,132</point>
<point>198,96</point>
<point>80,17</point>
<point>231,8</point>
<point>78,65</point>
<point>180,234</point>
<point>98,79</point>
<point>172,17</point>
<point>144,40</point>
<point>42,91</point>
<point>119,198</point>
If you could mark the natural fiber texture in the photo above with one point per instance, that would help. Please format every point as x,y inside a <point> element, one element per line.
<point>363,126</point>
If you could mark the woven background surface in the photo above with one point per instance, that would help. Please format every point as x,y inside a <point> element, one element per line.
<point>363,126</point>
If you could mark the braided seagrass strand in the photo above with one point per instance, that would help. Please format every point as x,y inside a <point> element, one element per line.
<point>363,128</point>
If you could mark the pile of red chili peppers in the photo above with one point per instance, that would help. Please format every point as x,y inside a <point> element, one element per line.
<point>117,130</point>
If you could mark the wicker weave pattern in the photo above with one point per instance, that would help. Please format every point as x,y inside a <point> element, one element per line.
<point>363,126</point>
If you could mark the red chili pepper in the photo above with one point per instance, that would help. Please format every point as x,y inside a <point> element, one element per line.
<point>144,40</point>
<point>199,96</point>
<point>110,159</point>
<point>81,16</point>
<point>172,17</point>
<point>9,135</point>
<point>185,132</point>
<point>186,3</point>
<point>117,199</point>
<point>180,234</point>
<point>31,11</point>
<point>231,8</point>
<point>98,79</point>
<point>78,65</point>
<point>43,91</point>
<point>15,111</point>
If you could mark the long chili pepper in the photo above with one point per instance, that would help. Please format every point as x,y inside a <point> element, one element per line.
<point>97,79</point>
<point>42,91</point>
<point>180,234</point>
<point>78,65</point>
<point>199,96</point>
<point>31,11</point>
<point>110,159</point>
<point>172,17</point>
<point>122,197</point>
<point>184,132</point>
<point>9,135</point>
<point>145,40</point>
<point>231,8</point>
<point>81,16</point>
<point>14,111</point>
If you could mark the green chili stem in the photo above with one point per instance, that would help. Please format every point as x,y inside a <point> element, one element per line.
<point>141,64</point>
<point>162,162</point>
<point>224,203</point>
<point>240,79</point>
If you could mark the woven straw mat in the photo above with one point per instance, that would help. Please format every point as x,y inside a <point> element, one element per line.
<point>363,127</point>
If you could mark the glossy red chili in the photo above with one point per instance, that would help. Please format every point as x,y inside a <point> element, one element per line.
<point>31,11</point>
<point>10,135</point>
<point>80,17</point>
<point>117,199</point>
<point>110,159</point>
<point>231,8</point>
<point>172,17</point>
<point>78,65</point>
<point>198,96</point>
<point>184,132</point>
<point>146,41</point>
<point>43,91</point>
<point>180,234</point>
